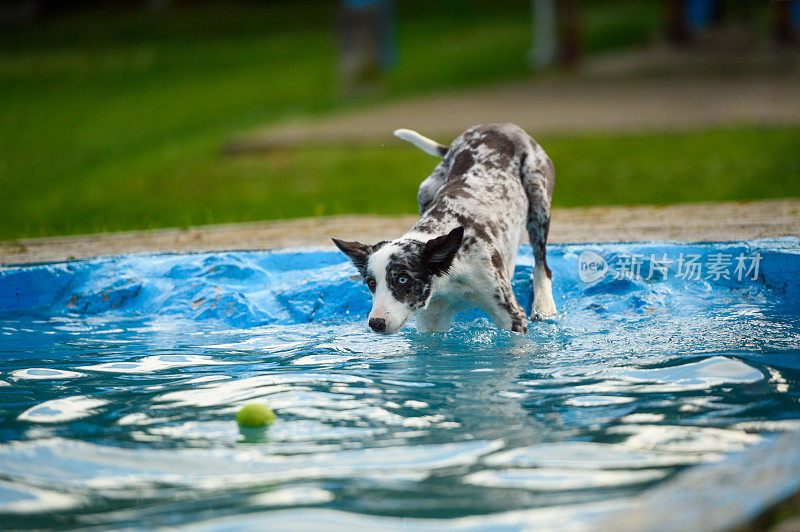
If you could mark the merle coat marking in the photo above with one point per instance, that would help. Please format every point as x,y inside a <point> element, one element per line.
<point>493,183</point>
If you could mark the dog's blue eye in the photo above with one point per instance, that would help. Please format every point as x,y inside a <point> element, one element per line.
<point>402,279</point>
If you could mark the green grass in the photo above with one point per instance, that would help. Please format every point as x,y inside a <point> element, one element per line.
<point>740,164</point>
<point>112,120</point>
<point>730,164</point>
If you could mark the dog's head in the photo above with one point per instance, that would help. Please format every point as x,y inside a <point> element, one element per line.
<point>400,274</point>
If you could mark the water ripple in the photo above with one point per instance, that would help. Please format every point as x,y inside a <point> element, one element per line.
<point>62,410</point>
<point>68,464</point>
<point>121,378</point>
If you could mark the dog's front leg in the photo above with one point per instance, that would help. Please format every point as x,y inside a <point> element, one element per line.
<point>437,317</point>
<point>503,308</point>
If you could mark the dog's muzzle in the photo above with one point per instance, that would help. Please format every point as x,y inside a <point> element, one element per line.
<point>377,324</point>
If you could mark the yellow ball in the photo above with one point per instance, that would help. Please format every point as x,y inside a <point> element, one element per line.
<point>255,415</point>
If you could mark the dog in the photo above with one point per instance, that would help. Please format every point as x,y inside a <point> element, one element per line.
<point>493,183</point>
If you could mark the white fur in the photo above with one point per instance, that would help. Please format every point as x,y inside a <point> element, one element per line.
<point>543,303</point>
<point>463,288</point>
<point>384,305</point>
<point>429,146</point>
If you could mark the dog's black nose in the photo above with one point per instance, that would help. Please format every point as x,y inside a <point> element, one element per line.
<point>377,324</point>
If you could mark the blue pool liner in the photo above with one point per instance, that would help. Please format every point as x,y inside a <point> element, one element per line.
<point>255,288</point>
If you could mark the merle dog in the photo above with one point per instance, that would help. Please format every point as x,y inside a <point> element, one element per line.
<point>493,182</point>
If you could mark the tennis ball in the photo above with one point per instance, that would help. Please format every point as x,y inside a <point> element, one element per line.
<point>255,415</point>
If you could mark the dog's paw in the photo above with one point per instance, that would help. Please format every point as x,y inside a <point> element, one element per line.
<point>538,315</point>
<point>543,310</point>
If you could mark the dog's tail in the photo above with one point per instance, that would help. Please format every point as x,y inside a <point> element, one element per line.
<point>424,143</point>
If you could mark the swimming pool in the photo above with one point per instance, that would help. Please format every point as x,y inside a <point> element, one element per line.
<point>120,378</point>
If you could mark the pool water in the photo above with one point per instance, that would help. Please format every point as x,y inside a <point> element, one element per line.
<point>120,379</point>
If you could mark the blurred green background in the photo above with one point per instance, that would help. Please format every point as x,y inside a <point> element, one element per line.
<point>116,118</point>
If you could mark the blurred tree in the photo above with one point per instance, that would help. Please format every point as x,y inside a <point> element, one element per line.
<point>677,27</point>
<point>786,22</point>
<point>555,33</point>
<point>367,43</point>
<point>545,45</point>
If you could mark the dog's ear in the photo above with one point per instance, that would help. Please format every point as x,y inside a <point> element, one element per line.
<point>357,252</point>
<point>438,253</point>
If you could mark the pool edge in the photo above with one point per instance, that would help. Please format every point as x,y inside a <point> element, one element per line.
<point>737,493</point>
<point>687,222</point>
